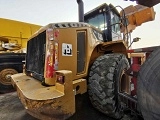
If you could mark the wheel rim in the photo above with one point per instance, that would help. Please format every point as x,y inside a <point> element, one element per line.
<point>5,76</point>
<point>124,83</point>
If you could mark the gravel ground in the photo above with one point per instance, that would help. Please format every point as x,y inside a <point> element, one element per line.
<point>12,109</point>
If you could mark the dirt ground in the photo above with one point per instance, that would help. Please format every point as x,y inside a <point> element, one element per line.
<point>12,109</point>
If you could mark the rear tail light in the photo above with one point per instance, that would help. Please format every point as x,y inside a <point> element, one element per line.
<point>60,79</point>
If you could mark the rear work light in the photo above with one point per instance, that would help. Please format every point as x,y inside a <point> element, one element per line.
<point>51,52</point>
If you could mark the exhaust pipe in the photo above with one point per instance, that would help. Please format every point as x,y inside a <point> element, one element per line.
<point>80,10</point>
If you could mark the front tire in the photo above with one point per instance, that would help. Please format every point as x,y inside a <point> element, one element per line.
<point>104,77</point>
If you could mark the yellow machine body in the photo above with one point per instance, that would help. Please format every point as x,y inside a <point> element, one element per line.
<point>14,34</point>
<point>69,49</point>
<point>58,100</point>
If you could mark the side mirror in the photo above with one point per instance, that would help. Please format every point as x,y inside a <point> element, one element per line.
<point>134,40</point>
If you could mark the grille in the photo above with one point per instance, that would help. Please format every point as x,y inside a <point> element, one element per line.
<point>35,57</point>
<point>81,51</point>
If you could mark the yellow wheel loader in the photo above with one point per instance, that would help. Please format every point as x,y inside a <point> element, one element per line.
<point>71,58</point>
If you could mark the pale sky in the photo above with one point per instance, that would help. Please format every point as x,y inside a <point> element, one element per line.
<point>43,12</point>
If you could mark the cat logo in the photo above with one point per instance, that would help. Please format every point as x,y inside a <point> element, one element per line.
<point>66,49</point>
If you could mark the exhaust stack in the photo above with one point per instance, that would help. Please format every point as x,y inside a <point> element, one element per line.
<point>80,10</point>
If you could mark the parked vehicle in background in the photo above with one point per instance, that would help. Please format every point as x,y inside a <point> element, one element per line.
<point>13,43</point>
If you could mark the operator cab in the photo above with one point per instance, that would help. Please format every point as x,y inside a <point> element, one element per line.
<point>107,19</point>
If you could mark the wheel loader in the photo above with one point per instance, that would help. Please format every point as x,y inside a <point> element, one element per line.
<point>92,55</point>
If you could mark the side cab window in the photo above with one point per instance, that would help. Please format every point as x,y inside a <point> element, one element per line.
<point>115,26</point>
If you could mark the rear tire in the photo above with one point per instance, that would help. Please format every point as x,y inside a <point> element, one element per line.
<point>5,80</point>
<point>148,87</point>
<point>103,86</point>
